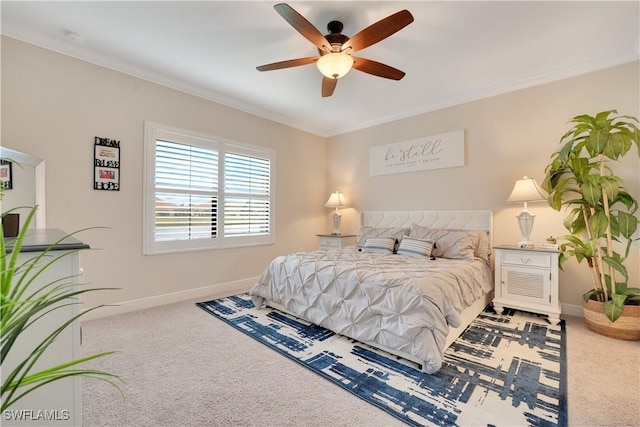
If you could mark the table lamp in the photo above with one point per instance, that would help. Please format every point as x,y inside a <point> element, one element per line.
<point>336,200</point>
<point>526,190</point>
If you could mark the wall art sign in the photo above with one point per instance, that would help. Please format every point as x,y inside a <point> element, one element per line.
<point>6,174</point>
<point>106,164</point>
<point>445,150</point>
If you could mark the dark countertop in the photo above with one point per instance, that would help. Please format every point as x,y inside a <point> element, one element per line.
<point>40,239</point>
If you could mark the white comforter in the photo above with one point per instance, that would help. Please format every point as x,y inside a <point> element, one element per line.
<point>402,303</point>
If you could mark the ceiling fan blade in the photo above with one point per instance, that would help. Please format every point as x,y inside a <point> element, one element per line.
<point>377,69</point>
<point>379,31</point>
<point>288,64</point>
<point>328,86</point>
<point>303,26</point>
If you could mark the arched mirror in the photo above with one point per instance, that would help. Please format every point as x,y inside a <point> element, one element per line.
<point>27,185</point>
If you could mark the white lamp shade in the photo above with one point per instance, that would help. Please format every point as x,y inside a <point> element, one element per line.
<point>336,200</point>
<point>335,65</point>
<point>526,190</point>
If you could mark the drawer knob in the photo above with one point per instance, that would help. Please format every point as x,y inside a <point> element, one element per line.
<point>525,260</point>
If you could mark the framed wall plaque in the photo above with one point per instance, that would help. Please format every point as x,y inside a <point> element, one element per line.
<point>445,150</point>
<point>106,164</point>
<point>6,174</point>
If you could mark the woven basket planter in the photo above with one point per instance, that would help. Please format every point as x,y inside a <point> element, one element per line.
<point>627,327</point>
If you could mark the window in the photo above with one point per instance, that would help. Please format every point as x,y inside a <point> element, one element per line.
<point>187,208</point>
<point>246,188</point>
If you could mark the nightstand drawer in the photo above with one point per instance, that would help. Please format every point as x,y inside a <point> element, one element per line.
<point>529,259</point>
<point>328,242</point>
<point>335,241</point>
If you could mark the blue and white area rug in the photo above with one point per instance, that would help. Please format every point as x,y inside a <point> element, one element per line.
<point>505,370</point>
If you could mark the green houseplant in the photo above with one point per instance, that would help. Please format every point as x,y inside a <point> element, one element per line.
<point>601,216</point>
<point>23,307</point>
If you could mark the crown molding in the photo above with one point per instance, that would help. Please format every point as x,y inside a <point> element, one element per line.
<point>76,52</point>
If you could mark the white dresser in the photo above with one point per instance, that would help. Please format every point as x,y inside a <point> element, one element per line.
<point>57,403</point>
<point>527,279</point>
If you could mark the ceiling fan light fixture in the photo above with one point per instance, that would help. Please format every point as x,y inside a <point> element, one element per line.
<point>335,64</point>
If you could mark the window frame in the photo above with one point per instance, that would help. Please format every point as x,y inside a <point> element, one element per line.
<point>154,131</point>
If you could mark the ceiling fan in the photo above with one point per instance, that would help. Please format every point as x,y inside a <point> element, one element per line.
<point>335,59</point>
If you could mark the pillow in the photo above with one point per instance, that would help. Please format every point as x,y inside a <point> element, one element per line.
<point>382,245</point>
<point>414,247</point>
<point>484,246</point>
<point>480,238</point>
<point>366,232</point>
<point>454,244</point>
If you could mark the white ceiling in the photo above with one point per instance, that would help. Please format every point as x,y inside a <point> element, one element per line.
<point>453,52</point>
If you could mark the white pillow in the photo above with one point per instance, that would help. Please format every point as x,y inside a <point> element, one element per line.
<point>383,245</point>
<point>454,244</point>
<point>366,231</point>
<point>414,247</point>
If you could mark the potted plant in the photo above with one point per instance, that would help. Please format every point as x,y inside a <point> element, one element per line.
<point>601,216</point>
<point>24,307</point>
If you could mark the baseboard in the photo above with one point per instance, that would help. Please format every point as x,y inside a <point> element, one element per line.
<point>221,288</point>
<point>228,288</point>
<point>572,310</point>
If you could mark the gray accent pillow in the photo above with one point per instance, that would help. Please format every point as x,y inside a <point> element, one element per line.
<point>414,247</point>
<point>381,245</point>
<point>367,231</point>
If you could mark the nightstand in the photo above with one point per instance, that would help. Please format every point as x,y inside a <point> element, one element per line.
<point>334,241</point>
<point>527,279</point>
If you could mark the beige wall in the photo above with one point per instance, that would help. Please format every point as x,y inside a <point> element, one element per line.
<point>506,137</point>
<point>53,106</point>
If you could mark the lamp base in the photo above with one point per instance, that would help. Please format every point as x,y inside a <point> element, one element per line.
<point>525,222</point>
<point>337,216</point>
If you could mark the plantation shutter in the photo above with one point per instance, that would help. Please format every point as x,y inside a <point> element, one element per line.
<point>201,192</point>
<point>247,184</point>
<point>186,192</point>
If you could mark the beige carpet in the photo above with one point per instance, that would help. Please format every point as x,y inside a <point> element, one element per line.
<point>183,367</point>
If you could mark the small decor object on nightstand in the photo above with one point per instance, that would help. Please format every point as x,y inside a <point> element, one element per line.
<point>106,164</point>
<point>336,200</point>
<point>526,190</point>
<point>550,243</point>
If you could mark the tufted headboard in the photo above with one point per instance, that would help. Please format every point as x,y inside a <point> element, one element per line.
<point>449,219</point>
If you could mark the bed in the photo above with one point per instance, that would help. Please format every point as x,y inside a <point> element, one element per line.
<point>410,286</point>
